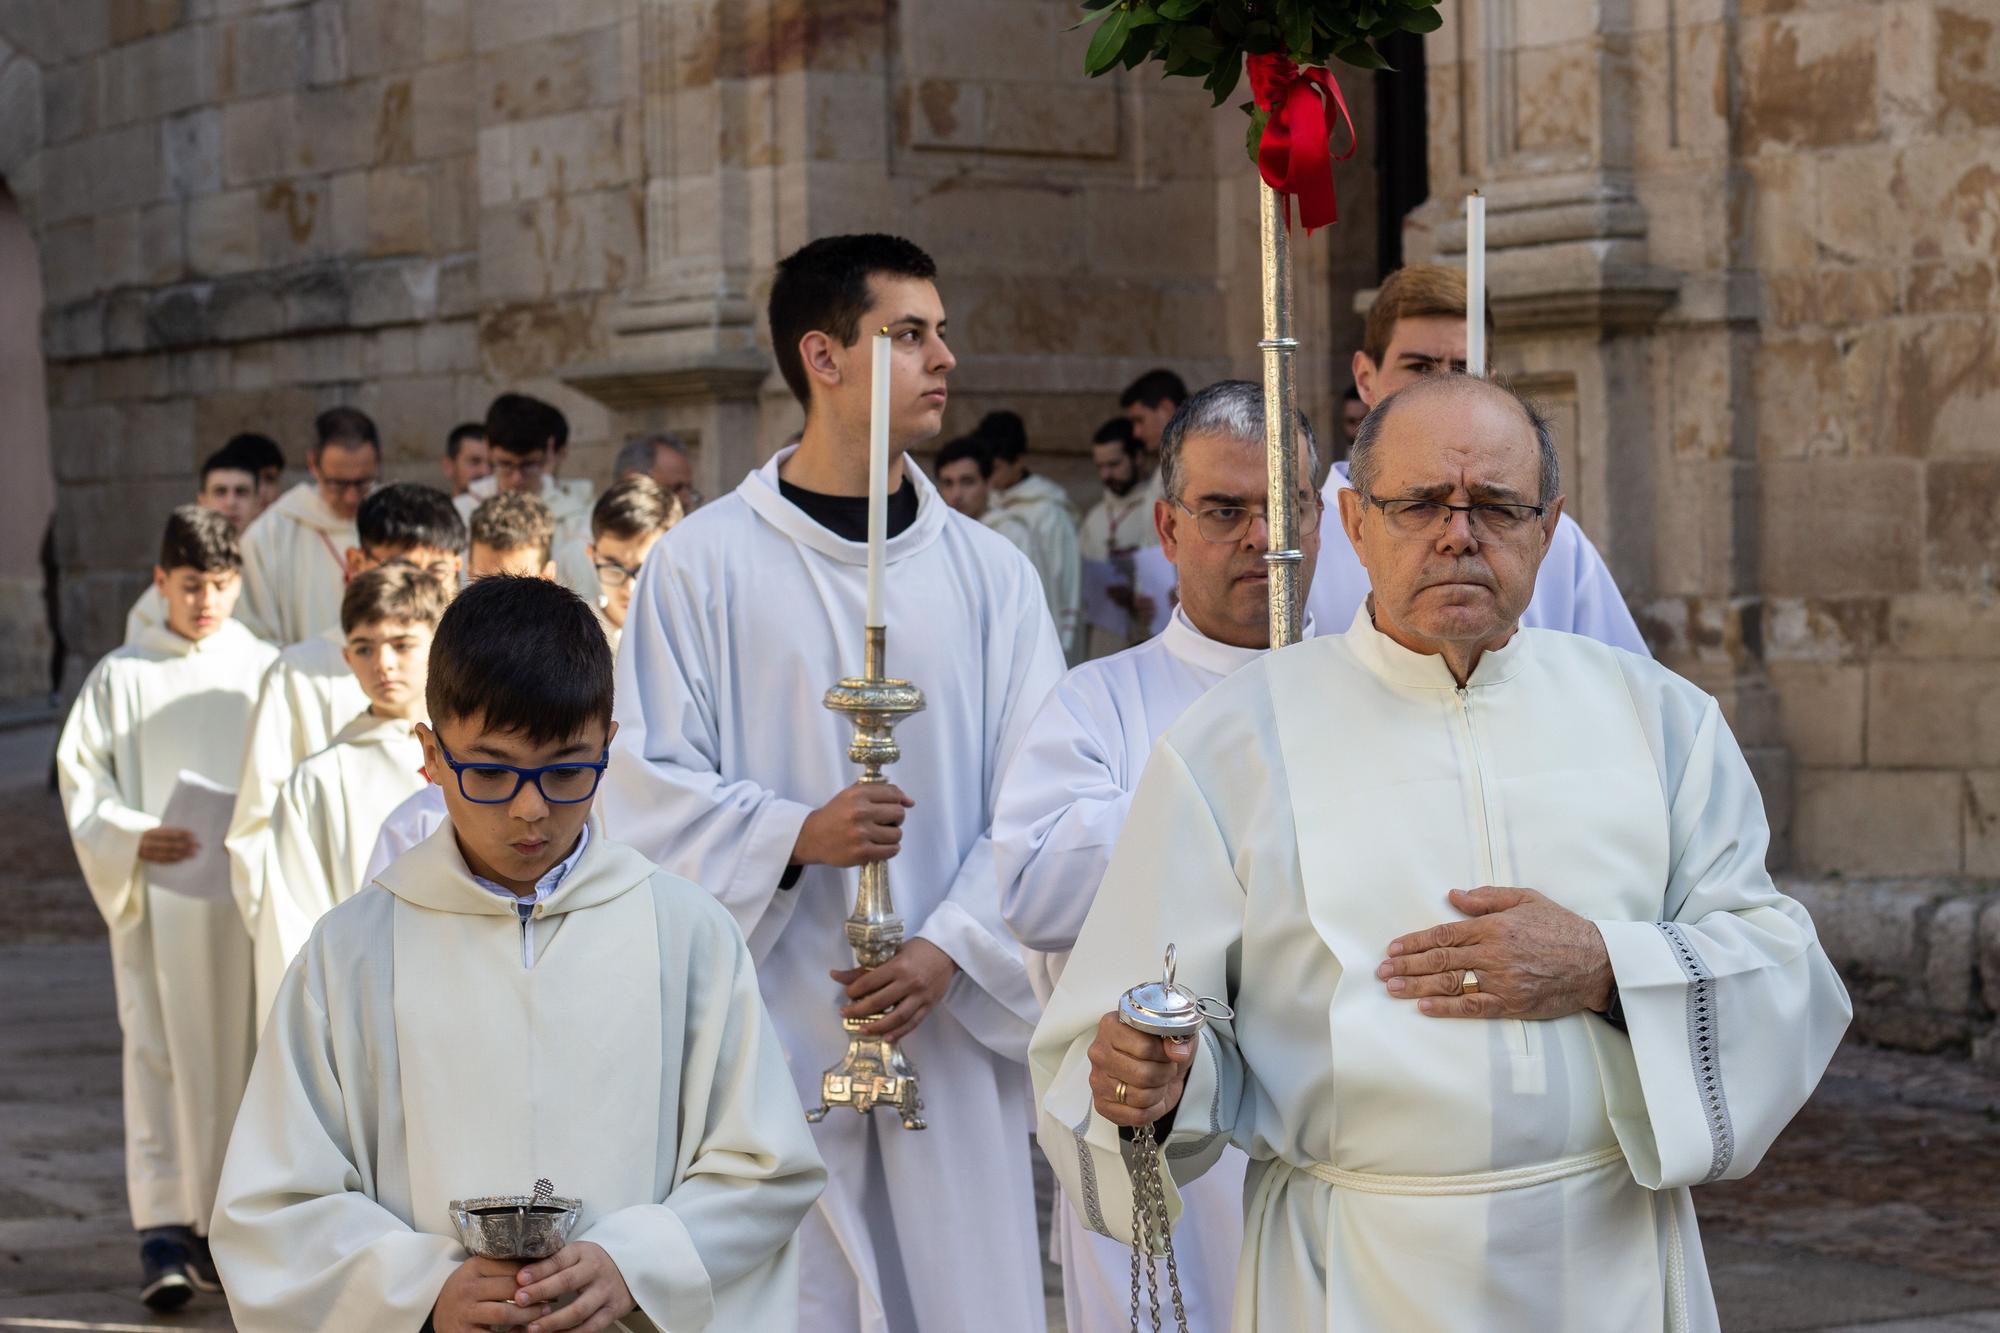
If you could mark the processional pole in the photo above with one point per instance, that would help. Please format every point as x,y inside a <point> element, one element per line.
<point>1281,435</point>
<point>1286,47</point>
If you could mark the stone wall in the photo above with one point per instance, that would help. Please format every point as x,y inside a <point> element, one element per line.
<point>248,211</point>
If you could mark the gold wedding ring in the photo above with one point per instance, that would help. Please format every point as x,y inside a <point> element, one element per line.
<point>1118,1093</point>
<point>1469,984</point>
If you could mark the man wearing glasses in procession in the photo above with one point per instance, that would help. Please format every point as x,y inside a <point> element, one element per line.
<point>1067,790</point>
<point>1490,906</point>
<point>295,554</point>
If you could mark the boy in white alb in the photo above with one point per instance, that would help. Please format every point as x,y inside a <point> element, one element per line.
<point>309,694</point>
<point>518,997</point>
<point>625,524</point>
<point>330,811</point>
<point>175,699</point>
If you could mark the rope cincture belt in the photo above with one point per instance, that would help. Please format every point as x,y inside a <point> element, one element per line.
<point>1477,1182</point>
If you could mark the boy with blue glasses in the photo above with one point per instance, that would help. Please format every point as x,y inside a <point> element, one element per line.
<point>518,997</point>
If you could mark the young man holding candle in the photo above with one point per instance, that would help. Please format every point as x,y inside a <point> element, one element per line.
<point>732,773</point>
<point>1417,328</point>
<point>518,997</point>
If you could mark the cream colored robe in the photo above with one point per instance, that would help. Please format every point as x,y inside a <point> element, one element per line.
<point>323,827</point>
<point>295,567</point>
<point>306,698</point>
<point>745,613</point>
<point>1118,523</point>
<point>411,1060</point>
<point>1044,510</point>
<point>148,612</point>
<point>181,964</point>
<point>1062,804</point>
<point>1415,1173</point>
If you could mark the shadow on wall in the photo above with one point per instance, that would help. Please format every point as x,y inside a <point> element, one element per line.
<point>30,660</point>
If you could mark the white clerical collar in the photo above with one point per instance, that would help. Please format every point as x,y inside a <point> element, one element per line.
<point>1393,662</point>
<point>760,491</point>
<point>1190,645</point>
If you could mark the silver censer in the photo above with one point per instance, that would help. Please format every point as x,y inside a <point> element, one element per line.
<point>1169,1010</point>
<point>873,1072</point>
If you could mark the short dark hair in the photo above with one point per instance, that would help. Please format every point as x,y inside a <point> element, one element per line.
<point>1153,388</point>
<point>1006,435</point>
<point>633,508</point>
<point>463,431</point>
<point>823,287</point>
<point>348,427</point>
<point>1119,431</point>
<point>523,655</point>
<point>224,459</point>
<point>1353,394</point>
<point>406,515</point>
<point>519,424</point>
<point>512,520</point>
<point>962,448</point>
<point>392,592</point>
<point>258,451</point>
<point>198,538</point>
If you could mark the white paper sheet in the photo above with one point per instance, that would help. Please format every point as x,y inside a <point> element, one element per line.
<point>203,808</point>
<point>1157,580</point>
<point>1100,577</point>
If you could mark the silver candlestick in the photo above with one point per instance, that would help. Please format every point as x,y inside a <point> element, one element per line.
<point>873,1072</point>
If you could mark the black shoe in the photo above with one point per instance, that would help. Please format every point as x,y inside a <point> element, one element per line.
<point>201,1267</point>
<point>168,1284</point>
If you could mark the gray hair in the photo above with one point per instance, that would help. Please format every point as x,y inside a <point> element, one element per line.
<point>1361,454</point>
<point>1231,408</point>
<point>640,451</point>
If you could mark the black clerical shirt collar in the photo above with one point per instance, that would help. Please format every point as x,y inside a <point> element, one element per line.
<point>846,516</point>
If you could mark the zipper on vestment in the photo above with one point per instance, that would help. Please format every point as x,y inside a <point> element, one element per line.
<point>1517,1030</point>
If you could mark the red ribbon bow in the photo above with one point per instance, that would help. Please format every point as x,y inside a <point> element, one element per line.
<point>1295,154</point>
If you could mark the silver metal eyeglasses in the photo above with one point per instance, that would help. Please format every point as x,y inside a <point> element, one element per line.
<point>1424,518</point>
<point>1227,524</point>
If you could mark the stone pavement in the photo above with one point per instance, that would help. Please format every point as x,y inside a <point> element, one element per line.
<point>1877,1210</point>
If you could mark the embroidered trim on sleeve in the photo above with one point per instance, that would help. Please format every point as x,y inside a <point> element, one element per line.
<point>1705,1048</point>
<point>1086,1165</point>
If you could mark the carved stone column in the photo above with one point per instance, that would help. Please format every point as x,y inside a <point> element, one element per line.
<point>685,355</point>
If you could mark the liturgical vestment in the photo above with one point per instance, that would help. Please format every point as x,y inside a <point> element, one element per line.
<point>326,821</point>
<point>1062,804</point>
<point>295,567</point>
<point>306,697</point>
<point>1421,1173</point>
<point>744,615</point>
<point>180,961</point>
<point>412,1058</point>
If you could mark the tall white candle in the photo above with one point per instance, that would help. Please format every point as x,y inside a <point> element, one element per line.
<point>1475,284</point>
<point>878,476</point>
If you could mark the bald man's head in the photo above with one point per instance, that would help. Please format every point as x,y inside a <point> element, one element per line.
<point>1537,434</point>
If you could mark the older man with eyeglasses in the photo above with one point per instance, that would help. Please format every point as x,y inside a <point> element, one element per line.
<point>1490,905</point>
<point>1064,797</point>
<point>295,553</point>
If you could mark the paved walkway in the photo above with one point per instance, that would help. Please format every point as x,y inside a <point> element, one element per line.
<point>1879,1209</point>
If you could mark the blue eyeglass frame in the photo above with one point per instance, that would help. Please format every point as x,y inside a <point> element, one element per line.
<point>523,776</point>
